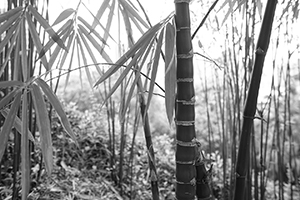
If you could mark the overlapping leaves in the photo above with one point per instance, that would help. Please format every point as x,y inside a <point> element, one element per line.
<point>137,55</point>
<point>17,97</point>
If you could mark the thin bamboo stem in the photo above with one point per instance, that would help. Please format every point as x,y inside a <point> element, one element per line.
<point>251,100</point>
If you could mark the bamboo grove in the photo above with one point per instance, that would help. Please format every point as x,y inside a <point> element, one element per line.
<point>229,93</point>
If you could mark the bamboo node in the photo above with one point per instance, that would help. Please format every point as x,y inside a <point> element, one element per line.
<point>184,123</point>
<point>191,182</point>
<point>186,144</point>
<point>187,102</point>
<point>185,80</point>
<point>237,175</point>
<point>188,55</point>
<point>192,162</point>
<point>260,51</point>
<point>183,28</point>
<point>248,117</point>
<point>182,1</point>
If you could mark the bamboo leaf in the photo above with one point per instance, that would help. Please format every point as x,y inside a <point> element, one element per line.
<point>106,32</point>
<point>17,58</point>
<point>94,43</point>
<point>130,93</point>
<point>100,12</point>
<point>87,46</point>
<point>87,71</point>
<point>57,49</point>
<point>8,123</point>
<point>154,67</point>
<point>18,124</point>
<point>63,15</point>
<point>127,26</point>
<point>25,164</point>
<point>46,26</point>
<point>136,23</point>
<point>143,40</point>
<point>125,72</point>
<point>70,65</point>
<point>58,108</point>
<point>6,99</point>
<point>36,40</point>
<point>170,71</point>
<point>134,13</point>
<point>61,32</point>
<point>70,41</point>
<point>44,127</point>
<point>91,31</point>
<point>10,48</point>
<point>109,22</point>
<point>5,84</point>
<point>137,78</point>
<point>8,36</point>
<point>24,50</point>
<point>10,13</point>
<point>7,25</point>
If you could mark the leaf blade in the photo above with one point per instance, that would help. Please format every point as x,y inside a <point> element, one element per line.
<point>36,40</point>
<point>18,124</point>
<point>8,123</point>
<point>63,15</point>
<point>170,71</point>
<point>58,107</point>
<point>47,27</point>
<point>5,84</point>
<point>10,13</point>
<point>143,40</point>
<point>44,127</point>
<point>155,67</point>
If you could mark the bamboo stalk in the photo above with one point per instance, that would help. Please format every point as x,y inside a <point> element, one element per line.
<point>185,106</point>
<point>251,100</point>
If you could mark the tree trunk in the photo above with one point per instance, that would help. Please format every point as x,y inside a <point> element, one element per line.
<point>185,106</point>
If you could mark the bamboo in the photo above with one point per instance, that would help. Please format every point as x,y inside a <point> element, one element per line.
<point>251,100</point>
<point>148,138</point>
<point>185,106</point>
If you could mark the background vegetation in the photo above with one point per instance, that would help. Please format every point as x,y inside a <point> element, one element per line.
<point>113,157</point>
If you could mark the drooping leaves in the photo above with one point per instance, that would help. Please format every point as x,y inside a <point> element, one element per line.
<point>170,71</point>
<point>131,52</point>
<point>100,12</point>
<point>134,13</point>
<point>58,107</point>
<point>8,123</point>
<point>18,124</point>
<point>46,26</point>
<point>36,39</point>
<point>155,66</point>
<point>43,123</point>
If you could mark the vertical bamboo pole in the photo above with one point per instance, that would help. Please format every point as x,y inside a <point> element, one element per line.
<point>185,105</point>
<point>251,100</point>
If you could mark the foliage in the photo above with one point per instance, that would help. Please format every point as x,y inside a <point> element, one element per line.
<point>104,122</point>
